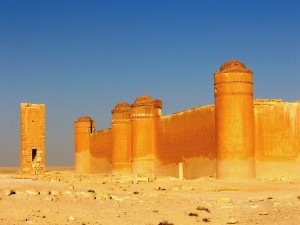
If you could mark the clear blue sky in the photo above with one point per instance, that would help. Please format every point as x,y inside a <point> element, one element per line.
<point>83,57</point>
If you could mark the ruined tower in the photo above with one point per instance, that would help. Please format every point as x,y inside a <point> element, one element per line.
<point>234,121</point>
<point>121,138</point>
<point>84,126</point>
<point>32,126</point>
<point>145,115</point>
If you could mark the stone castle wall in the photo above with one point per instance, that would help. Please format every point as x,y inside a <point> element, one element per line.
<point>277,138</point>
<point>101,151</point>
<point>187,137</point>
<point>238,137</point>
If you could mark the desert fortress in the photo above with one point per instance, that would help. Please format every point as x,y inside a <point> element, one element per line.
<point>237,138</point>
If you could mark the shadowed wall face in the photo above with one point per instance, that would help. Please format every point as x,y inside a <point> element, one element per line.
<point>234,121</point>
<point>145,115</point>
<point>32,117</point>
<point>187,137</point>
<point>84,126</point>
<point>121,139</point>
<point>101,151</point>
<point>277,139</point>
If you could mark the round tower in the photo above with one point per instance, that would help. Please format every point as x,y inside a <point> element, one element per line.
<point>234,121</point>
<point>84,126</point>
<point>121,135</point>
<point>145,114</point>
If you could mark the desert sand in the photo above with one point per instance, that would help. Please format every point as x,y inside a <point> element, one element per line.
<point>62,197</point>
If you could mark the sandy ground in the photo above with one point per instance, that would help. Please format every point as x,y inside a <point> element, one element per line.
<point>61,197</point>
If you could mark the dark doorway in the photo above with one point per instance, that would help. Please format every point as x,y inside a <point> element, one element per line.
<point>33,154</point>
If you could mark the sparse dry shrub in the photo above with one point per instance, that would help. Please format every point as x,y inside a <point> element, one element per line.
<point>193,214</point>
<point>165,222</point>
<point>203,209</point>
<point>206,220</point>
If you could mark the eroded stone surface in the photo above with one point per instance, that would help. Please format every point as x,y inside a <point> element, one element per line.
<point>32,126</point>
<point>236,138</point>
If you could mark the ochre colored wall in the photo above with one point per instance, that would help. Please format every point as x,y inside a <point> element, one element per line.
<point>234,139</point>
<point>121,139</point>
<point>84,126</point>
<point>121,152</point>
<point>145,115</point>
<point>143,146</point>
<point>101,151</point>
<point>234,121</point>
<point>33,128</point>
<point>277,139</point>
<point>187,137</point>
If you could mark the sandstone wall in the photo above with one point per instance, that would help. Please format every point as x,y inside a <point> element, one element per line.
<point>83,126</point>
<point>187,137</point>
<point>33,128</point>
<point>121,139</point>
<point>277,139</point>
<point>101,151</point>
<point>144,116</point>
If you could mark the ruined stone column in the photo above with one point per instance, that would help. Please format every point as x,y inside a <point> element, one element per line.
<point>84,126</point>
<point>33,129</point>
<point>145,114</point>
<point>121,135</point>
<point>234,121</point>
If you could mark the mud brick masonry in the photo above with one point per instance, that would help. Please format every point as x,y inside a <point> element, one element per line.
<point>32,117</point>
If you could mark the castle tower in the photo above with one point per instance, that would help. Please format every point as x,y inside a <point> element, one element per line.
<point>234,121</point>
<point>121,135</point>
<point>145,115</point>
<point>84,126</point>
<point>32,125</point>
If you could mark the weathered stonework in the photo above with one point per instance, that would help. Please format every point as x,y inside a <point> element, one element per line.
<point>32,126</point>
<point>234,121</point>
<point>144,116</point>
<point>236,138</point>
<point>84,126</point>
<point>233,66</point>
<point>121,138</point>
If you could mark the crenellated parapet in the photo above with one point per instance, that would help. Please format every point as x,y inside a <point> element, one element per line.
<point>233,66</point>
<point>85,124</point>
<point>121,113</point>
<point>144,107</point>
<point>233,78</point>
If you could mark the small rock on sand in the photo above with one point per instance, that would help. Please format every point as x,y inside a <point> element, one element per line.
<point>263,213</point>
<point>103,196</point>
<point>71,187</point>
<point>224,200</point>
<point>55,193</point>
<point>187,188</point>
<point>71,218</point>
<point>8,192</point>
<point>32,192</point>
<point>44,192</point>
<point>256,199</point>
<point>232,220</point>
<point>175,188</point>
